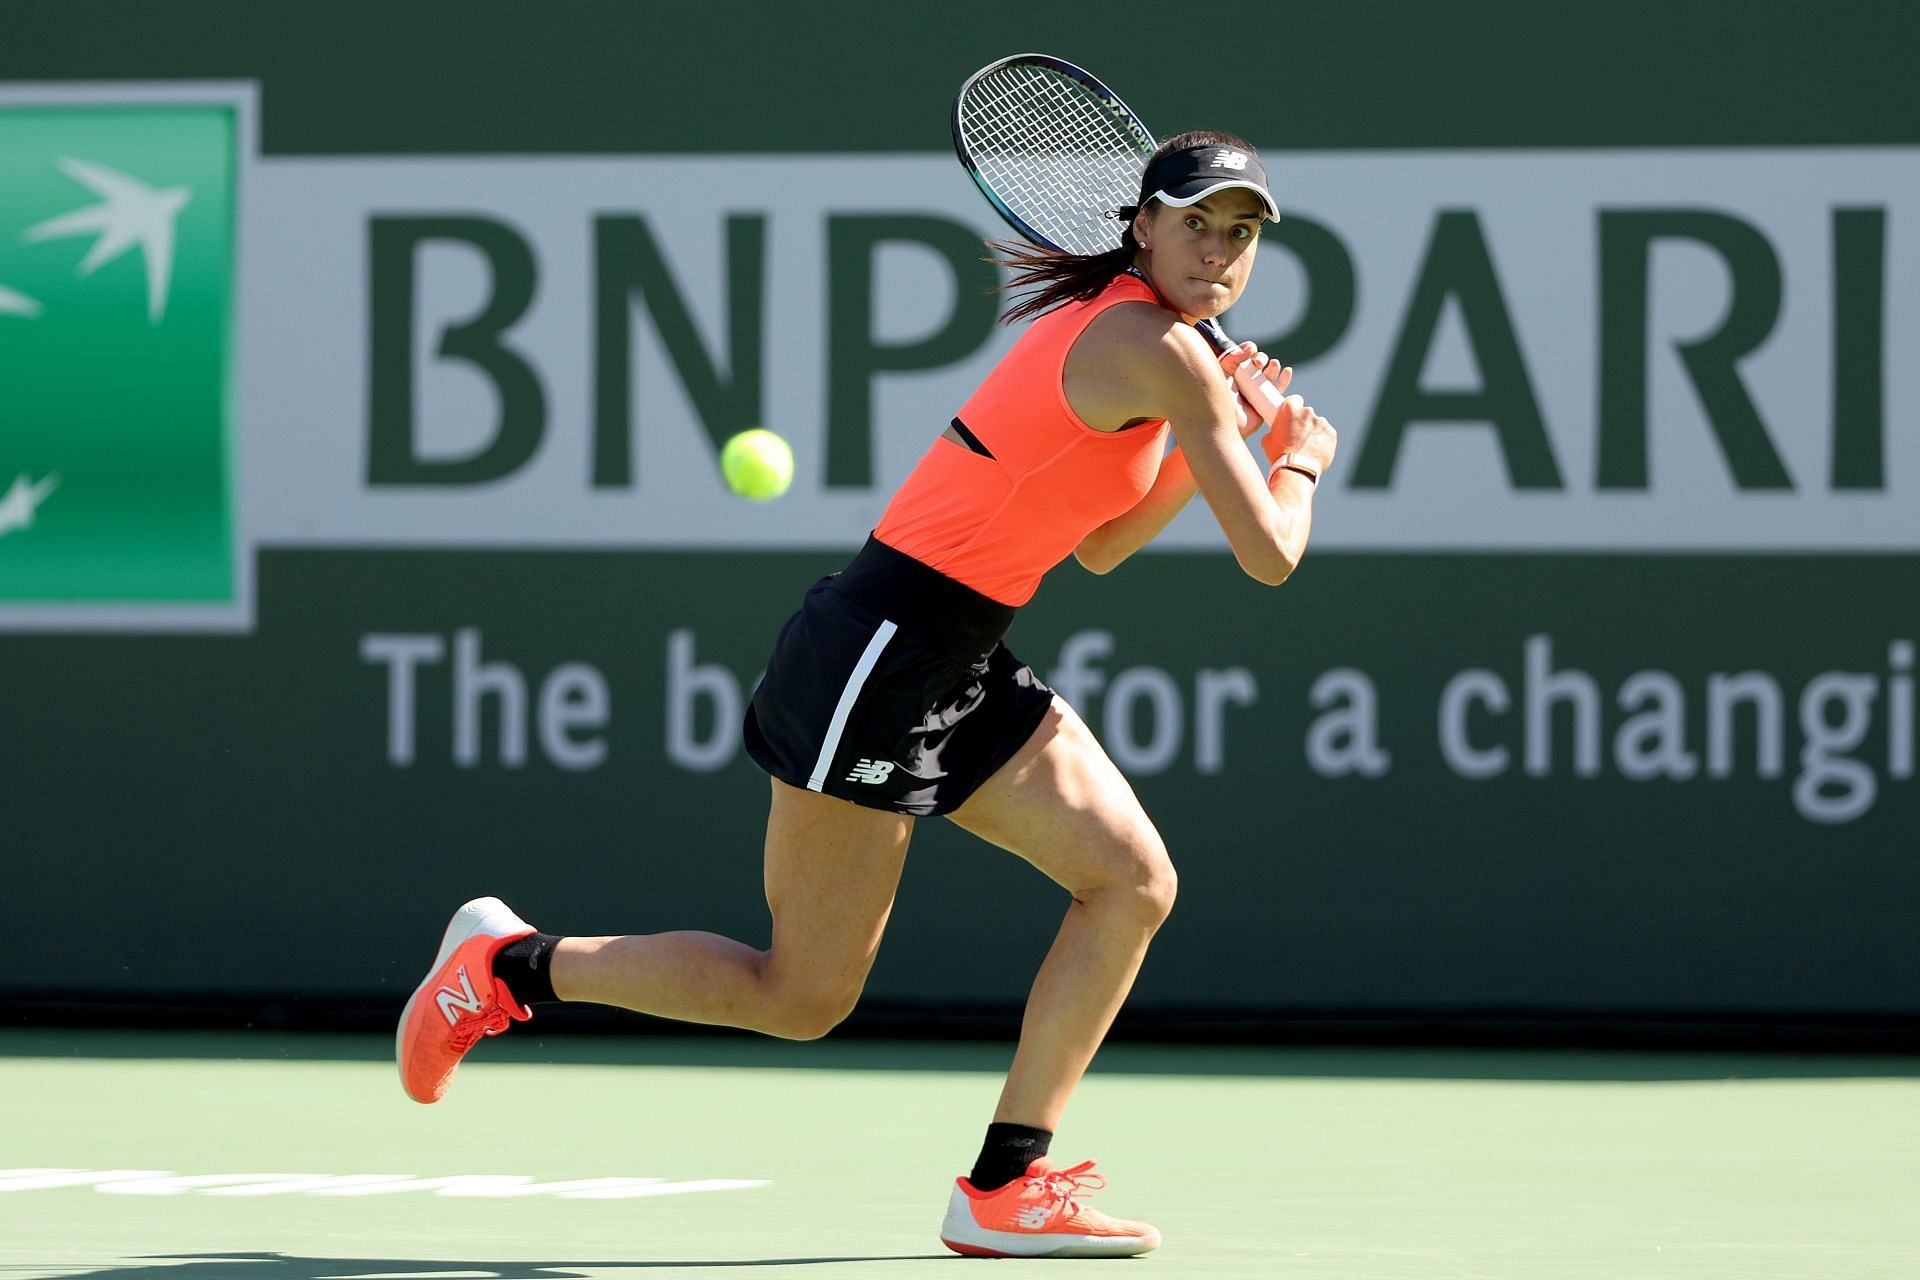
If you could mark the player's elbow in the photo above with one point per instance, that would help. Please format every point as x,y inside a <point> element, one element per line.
<point>1272,551</point>
<point>1095,557</point>
<point>1269,562</point>
<point>1269,571</point>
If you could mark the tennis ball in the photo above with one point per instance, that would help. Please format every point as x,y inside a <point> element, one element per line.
<point>757,464</point>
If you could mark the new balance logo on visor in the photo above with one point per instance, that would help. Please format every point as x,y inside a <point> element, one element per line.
<point>870,771</point>
<point>463,999</point>
<point>1227,158</point>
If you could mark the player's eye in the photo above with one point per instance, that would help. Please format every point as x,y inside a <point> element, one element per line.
<point>1243,232</point>
<point>1194,224</point>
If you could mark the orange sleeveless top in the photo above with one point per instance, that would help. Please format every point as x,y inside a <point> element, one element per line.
<point>999,522</point>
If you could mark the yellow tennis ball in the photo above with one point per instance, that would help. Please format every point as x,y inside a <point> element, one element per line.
<point>757,464</point>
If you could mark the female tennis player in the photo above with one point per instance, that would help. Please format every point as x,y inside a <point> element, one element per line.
<point>889,696</point>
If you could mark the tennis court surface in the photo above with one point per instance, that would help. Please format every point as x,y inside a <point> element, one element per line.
<point>285,1156</point>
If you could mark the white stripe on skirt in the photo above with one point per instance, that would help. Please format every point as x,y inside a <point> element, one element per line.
<point>848,696</point>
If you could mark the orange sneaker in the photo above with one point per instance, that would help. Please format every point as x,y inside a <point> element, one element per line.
<point>460,1001</point>
<point>1036,1216</point>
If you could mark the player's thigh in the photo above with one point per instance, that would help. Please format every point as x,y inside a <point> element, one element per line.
<point>1063,805</point>
<point>832,869</point>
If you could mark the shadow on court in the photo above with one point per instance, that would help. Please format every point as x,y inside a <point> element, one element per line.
<point>280,1266</point>
<point>860,1054</point>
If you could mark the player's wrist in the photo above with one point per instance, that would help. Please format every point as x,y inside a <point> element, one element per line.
<point>1297,464</point>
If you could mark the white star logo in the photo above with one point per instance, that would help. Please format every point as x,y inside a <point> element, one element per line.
<point>16,509</point>
<point>17,304</point>
<point>130,214</point>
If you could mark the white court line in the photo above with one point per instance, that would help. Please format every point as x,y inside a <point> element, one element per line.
<point>165,1182</point>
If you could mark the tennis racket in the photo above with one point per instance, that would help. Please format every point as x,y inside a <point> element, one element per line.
<point>1055,151</point>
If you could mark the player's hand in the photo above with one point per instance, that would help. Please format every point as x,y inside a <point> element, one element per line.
<point>1300,434</point>
<point>1264,366</point>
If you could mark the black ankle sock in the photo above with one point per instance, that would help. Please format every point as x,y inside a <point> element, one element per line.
<point>1007,1152</point>
<point>526,967</point>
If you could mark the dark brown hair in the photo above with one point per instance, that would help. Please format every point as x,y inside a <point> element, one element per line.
<point>1058,278</point>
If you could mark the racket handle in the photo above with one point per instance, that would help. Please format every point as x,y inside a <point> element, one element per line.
<point>1261,394</point>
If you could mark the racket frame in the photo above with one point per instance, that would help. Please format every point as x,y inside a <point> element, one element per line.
<point>1129,121</point>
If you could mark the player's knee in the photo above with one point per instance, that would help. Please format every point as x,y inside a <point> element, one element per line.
<point>1144,883</point>
<point>1155,887</point>
<point>811,1014</point>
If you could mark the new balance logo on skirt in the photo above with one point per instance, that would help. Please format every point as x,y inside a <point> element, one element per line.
<point>870,771</point>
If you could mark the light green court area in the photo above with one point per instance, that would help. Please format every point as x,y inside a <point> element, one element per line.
<point>1304,1164</point>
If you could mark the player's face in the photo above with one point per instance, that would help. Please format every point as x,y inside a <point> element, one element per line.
<point>1199,258</point>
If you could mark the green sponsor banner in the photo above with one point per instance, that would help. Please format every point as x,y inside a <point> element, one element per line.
<point>116,281</point>
<point>1555,783</point>
<point>1596,693</point>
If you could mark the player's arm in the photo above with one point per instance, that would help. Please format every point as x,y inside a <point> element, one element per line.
<point>1174,485</point>
<point>1162,368</point>
<point>1102,550</point>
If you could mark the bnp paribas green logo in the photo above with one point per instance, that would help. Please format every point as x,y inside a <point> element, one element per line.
<point>116,289</point>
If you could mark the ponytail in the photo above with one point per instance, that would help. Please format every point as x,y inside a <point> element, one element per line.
<point>1057,278</point>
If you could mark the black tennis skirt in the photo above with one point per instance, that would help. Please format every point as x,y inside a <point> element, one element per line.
<point>890,688</point>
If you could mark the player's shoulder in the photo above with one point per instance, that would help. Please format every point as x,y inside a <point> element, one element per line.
<point>1146,338</point>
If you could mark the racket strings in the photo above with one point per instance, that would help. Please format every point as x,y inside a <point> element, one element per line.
<point>1060,157</point>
